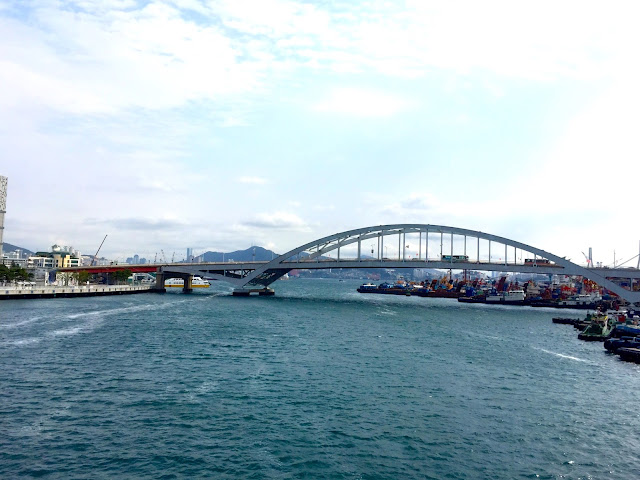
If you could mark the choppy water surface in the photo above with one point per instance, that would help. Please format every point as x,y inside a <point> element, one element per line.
<point>316,382</point>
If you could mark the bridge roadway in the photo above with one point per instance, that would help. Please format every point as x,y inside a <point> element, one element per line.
<point>476,249</point>
<point>222,268</point>
<point>233,271</point>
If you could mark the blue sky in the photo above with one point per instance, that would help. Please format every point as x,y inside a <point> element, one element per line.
<point>218,125</point>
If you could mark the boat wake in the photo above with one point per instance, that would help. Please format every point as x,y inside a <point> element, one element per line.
<point>561,355</point>
<point>20,324</point>
<point>136,308</point>
<point>85,322</point>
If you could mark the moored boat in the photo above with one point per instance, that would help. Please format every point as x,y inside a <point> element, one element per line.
<point>598,330</point>
<point>629,354</point>
<point>613,344</point>
<point>565,320</point>
<point>581,301</point>
<point>511,297</point>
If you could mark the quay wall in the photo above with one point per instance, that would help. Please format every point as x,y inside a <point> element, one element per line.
<point>11,293</point>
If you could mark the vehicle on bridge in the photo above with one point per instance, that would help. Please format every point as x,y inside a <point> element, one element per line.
<point>455,258</point>
<point>534,262</point>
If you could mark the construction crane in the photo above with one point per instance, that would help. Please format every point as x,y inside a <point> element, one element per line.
<point>164,259</point>
<point>173,257</point>
<point>93,262</point>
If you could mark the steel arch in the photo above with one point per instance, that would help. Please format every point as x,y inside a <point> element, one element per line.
<point>269,272</point>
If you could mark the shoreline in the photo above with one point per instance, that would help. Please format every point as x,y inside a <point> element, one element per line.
<point>22,293</point>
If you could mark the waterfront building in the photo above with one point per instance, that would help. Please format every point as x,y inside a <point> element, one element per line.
<point>59,257</point>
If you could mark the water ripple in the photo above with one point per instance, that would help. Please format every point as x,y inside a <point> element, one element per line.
<point>317,382</point>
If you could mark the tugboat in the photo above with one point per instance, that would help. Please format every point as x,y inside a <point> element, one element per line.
<point>598,330</point>
<point>367,288</point>
<point>385,288</point>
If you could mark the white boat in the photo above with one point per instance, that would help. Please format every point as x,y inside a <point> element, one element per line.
<point>582,299</point>
<point>198,282</point>
<point>533,290</point>
<point>512,296</point>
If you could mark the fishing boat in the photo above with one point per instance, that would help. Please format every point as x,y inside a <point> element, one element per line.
<point>198,282</point>
<point>582,300</point>
<point>385,288</point>
<point>511,297</point>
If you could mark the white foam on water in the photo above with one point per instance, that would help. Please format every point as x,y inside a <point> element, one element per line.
<point>136,308</point>
<point>561,355</point>
<point>21,323</point>
<point>22,341</point>
<point>67,331</point>
<point>489,337</point>
<point>93,320</point>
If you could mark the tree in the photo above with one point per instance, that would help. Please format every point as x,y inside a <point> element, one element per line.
<point>20,274</point>
<point>5,273</point>
<point>83,277</point>
<point>121,275</point>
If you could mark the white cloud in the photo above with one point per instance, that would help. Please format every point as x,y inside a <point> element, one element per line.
<point>279,221</point>
<point>253,180</point>
<point>105,60</point>
<point>109,56</point>
<point>361,102</point>
<point>131,98</point>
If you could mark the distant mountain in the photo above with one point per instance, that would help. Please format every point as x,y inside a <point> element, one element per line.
<point>258,254</point>
<point>7,247</point>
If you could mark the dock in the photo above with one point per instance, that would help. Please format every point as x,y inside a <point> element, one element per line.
<point>13,293</point>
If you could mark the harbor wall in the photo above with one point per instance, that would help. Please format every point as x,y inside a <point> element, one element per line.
<point>11,293</point>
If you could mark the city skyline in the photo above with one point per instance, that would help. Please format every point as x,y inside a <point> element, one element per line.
<point>220,125</point>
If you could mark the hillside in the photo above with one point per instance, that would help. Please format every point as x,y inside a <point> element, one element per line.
<point>248,255</point>
<point>8,247</point>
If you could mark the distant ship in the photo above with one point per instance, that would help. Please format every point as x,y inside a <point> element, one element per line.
<point>198,282</point>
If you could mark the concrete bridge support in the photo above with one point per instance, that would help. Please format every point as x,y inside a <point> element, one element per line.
<point>188,284</point>
<point>160,283</point>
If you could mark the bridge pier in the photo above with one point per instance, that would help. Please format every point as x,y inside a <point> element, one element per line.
<point>188,284</point>
<point>160,283</point>
<point>246,292</point>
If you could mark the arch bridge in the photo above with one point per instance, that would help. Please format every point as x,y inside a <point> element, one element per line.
<point>404,246</point>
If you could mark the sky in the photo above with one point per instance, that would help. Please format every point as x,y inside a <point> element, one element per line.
<point>218,125</point>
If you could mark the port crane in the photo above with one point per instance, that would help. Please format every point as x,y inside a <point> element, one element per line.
<point>93,262</point>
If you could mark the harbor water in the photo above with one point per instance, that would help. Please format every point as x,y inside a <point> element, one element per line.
<point>316,382</point>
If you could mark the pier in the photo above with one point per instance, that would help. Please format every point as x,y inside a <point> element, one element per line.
<point>12,293</point>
